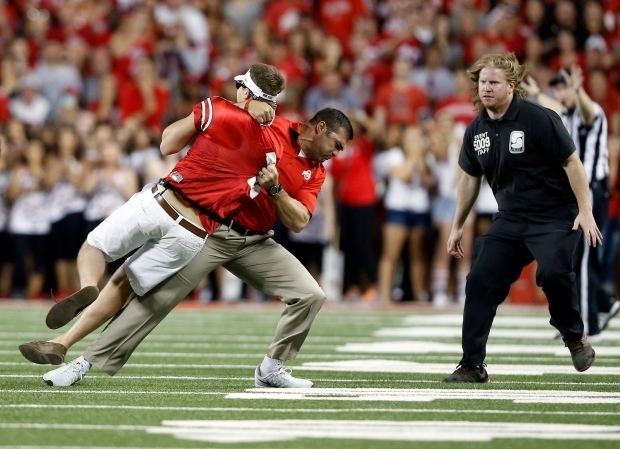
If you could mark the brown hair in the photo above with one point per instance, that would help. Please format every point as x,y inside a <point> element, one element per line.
<point>268,78</point>
<point>507,62</point>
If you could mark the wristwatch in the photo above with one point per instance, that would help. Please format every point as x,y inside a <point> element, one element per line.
<point>274,190</point>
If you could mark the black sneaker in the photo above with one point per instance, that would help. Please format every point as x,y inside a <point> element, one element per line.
<point>469,373</point>
<point>581,352</point>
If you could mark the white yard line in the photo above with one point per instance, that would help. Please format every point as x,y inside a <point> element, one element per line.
<point>430,394</point>
<point>455,332</point>
<point>307,410</point>
<point>245,431</point>
<point>428,347</point>
<point>401,366</point>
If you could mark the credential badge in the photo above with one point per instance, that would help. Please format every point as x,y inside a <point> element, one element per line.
<point>517,142</point>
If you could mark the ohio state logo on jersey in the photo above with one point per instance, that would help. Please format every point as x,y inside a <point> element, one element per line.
<point>306,174</point>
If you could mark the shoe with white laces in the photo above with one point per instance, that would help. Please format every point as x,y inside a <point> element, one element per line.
<point>68,374</point>
<point>281,378</point>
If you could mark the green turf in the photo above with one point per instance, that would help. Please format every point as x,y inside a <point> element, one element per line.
<point>218,350</point>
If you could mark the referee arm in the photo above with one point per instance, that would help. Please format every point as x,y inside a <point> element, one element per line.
<point>468,189</point>
<point>579,184</point>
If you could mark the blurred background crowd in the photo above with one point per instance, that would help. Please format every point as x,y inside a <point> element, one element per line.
<point>86,87</point>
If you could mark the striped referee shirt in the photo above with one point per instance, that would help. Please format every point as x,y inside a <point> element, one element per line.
<point>590,142</point>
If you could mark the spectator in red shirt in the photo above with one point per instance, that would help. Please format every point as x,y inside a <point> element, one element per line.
<point>399,102</point>
<point>144,98</point>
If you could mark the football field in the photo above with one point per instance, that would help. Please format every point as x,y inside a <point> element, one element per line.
<point>377,377</point>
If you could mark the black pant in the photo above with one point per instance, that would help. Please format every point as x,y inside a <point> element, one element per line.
<point>593,298</point>
<point>499,257</point>
<point>357,242</point>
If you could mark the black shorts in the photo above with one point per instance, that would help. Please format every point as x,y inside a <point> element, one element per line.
<point>67,235</point>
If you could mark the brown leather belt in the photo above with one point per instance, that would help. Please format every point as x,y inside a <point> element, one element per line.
<point>191,227</point>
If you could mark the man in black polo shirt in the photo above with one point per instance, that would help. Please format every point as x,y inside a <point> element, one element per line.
<point>542,192</point>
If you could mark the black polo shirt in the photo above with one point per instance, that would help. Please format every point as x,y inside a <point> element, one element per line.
<point>521,155</point>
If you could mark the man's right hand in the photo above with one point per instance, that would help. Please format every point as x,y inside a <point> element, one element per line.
<point>454,243</point>
<point>261,112</point>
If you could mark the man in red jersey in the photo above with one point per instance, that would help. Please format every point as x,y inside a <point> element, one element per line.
<point>218,175</point>
<point>244,246</point>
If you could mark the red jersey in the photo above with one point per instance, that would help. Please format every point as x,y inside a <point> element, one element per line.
<point>218,172</point>
<point>301,178</point>
<point>353,174</point>
<point>402,106</point>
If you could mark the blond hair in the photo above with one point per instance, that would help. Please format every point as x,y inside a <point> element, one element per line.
<point>508,63</point>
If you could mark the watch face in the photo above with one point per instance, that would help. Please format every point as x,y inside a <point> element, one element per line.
<point>274,190</point>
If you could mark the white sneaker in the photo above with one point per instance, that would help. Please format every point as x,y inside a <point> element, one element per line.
<point>68,373</point>
<point>280,379</point>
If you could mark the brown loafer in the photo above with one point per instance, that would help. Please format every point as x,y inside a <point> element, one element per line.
<point>44,352</point>
<point>64,311</point>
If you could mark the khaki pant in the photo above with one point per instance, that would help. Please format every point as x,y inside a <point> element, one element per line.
<point>257,260</point>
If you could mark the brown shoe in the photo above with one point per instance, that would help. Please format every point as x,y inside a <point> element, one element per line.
<point>64,311</point>
<point>581,352</point>
<point>44,352</point>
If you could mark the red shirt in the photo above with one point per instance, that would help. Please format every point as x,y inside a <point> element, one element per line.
<point>353,174</point>
<point>337,17</point>
<point>132,103</point>
<point>301,178</point>
<point>227,154</point>
<point>402,106</point>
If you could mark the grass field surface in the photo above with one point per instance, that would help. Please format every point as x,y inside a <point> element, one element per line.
<point>377,377</point>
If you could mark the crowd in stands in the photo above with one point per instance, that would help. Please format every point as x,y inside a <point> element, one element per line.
<point>86,87</point>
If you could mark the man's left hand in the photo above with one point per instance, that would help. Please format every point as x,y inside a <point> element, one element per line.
<point>591,233</point>
<point>267,176</point>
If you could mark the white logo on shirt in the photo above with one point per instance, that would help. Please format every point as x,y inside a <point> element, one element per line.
<point>306,174</point>
<point>176,176</point>
<point>482,143</point>
<point>517,142</point>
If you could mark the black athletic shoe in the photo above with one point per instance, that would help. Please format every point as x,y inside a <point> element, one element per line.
<point>68,308</point>
<point>469,373</point>
<point>581,352</point>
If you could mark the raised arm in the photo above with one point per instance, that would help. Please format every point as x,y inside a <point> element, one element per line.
<point>177,135</point>
<point>579,184</point>
<point>467,192</point>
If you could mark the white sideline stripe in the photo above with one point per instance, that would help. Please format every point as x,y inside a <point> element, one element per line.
<point>353,381</point>
<point>155,365</point>
<point>427,347</point>
<point>245,431</point>
<point>197,337</point>
<point>457,320</point>
<point>310,410</point>
<point>12,446</point>
<point>45,426</point>
<point>401,366</point>
<point>431,394</point>
<point>455,332</point>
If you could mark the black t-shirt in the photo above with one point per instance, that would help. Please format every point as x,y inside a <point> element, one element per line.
<point>521,156</point>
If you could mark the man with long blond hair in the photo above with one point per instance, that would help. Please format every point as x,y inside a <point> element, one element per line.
<point>542,192</point>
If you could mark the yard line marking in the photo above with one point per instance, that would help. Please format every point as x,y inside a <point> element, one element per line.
<point>330,379</point>
<point>12,446</point>
<point>246,431</point>
<point>498,321</point>
<point>396,366</point>
<point>426,347</point>
<point>455,332</point>
<point>45,426</point>
<point>314,410</point>
<point>431,394</point>
<point>197,337</point>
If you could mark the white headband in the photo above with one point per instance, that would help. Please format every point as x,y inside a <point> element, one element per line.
<point>247,81</point>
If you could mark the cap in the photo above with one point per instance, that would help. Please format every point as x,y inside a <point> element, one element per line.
<point>247,81</point>
<point>595,42</point>
<point>559,78</point>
